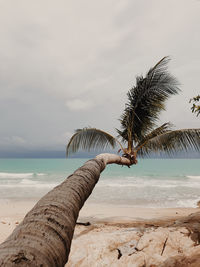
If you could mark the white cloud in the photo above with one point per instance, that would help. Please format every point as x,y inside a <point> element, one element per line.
<point>13,141</point>
<point>78,104</point>
<point>84,55</point>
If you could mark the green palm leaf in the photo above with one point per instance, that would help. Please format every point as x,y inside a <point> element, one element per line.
<point>173,141</point>
<point>89,138</point>
<point>146,100</point>
<point>156,132</point>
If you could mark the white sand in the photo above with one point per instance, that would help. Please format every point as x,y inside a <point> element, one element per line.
<point>13,212</point>
<point>128,213</point>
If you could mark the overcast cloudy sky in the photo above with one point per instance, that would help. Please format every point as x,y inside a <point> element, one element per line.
<point>69,64</point>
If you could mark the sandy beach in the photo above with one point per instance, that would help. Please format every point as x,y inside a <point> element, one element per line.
<point>112,229</point>
<point>12,213</point>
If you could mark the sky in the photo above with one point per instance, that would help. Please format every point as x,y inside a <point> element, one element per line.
<point>69,64</point>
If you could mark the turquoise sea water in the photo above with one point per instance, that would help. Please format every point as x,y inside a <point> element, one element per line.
<point>152,182</point>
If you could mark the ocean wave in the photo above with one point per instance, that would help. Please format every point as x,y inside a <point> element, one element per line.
<point>29,184</point>
<point>150,183</point>
<point>188,203</point>
<point>138,185</point>
<point>193,176</point>
<point>7,175</point>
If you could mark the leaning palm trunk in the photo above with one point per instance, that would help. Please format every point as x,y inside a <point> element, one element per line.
<point>44,236</point>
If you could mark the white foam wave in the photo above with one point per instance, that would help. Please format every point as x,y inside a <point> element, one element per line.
<point>28,182</point>
<point>11,175</point>
<point>188,203</point>
<point>193,176</point>
<point>29,185</point>
<point>138,185</point>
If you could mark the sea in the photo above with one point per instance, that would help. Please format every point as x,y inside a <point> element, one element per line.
<point>151,183</point>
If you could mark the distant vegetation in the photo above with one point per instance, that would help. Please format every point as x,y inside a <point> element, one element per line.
<point>195,108</point>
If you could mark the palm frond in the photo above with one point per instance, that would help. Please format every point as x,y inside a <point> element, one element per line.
<point>146,100</point>
<point>89,138</point>
<point>156,132</point>
<point>173,141</point>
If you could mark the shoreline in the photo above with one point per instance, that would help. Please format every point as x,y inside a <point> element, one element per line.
<point>102,212</point>
<point>13,211</point>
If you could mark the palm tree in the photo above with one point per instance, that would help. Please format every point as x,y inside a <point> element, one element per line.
<point>139,130</point>
<point>44,236</point>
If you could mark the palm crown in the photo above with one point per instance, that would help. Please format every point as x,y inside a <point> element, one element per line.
<point>139,130</point>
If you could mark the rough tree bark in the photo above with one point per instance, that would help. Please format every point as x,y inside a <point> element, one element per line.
<point>44,236</point>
